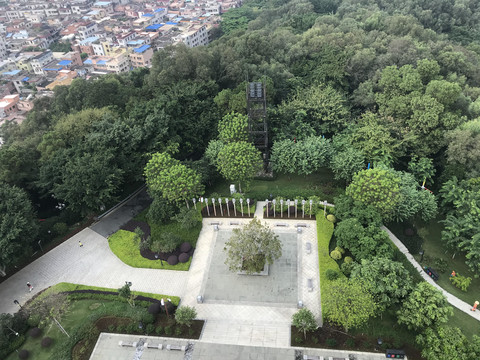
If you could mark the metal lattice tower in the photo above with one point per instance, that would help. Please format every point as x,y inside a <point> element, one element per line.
<point>257,116</point>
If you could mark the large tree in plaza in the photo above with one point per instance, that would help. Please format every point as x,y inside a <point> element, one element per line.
<point>250,247</point>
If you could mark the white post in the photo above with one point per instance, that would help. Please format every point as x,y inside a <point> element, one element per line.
<point>303,208</point>
<point>206,204</point>
<point>234,208</point>
<point>228,208</point>
<point>241,206</point>
<point>281,208</point>
<point>311,202</point>
<point>214,209</point>
<point>274,201</point>
<point>220,203</point>
<point>267,206</point>
<point>248,204</point>
<point>288,208</point>
<point>296,203</point>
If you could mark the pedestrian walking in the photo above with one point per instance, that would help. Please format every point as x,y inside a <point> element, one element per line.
<point>29,286</point>
<point>475,304</point>
<point>453,274</point>
<point>80,243</point>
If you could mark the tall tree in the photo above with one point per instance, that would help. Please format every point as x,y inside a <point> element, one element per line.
<point>444,343</point>
<point>377,187</point>
<point>424,307</point>
<point>18,227</point>
<point>390,281</point>
<point>239,162</point>
<point>348,303</point>
<point>168,178</point>
<point>233,127</point>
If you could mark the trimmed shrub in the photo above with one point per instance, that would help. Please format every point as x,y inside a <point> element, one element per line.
<point>341,250</point>
<point>188,218</point>
<point>111,328</point>
<point>185,247</point>
<point>160,210</point>
<point>178,331</point>
<point>331,342</point>
<point>121,329</point>
<point>150,328</point>
<point>168,242</point>
<point>440,264</point>
<point>158,330</point>
<point>298,339</point>
<point>347,260</point>
<point>315,339</point>
<point>350,343</point>
<point>183,257</point>
<point>461,282</point>
<point>172,260</point>
<point>331,218</point>
<point>60,228</point>
<point>132,328</point>
<point>35,332</point>
<point>336,255</point>
<point>154,308</point>
<point>168,330</point>
<point>34,320</point>
<point>332,274</point>
<point>46,342</point>
<point>347,268</point>
<point>23,354</point>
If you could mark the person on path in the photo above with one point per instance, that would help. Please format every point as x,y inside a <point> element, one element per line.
<point>29,286</point>
<point>80,243</point>
<point>475,304</point>
<point>453,274</point>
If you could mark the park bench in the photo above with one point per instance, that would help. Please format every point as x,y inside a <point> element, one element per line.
<point>308,247</point>
<point>215,223</point>
<point>432,273</point>
<point>127,344</point>
<point>153,346</point>
<point>310,285</point>
<point>281,224</point>
<point>312,357</point>
<point>301,225</point>
<point>176,347</point>
<point>234,223</point>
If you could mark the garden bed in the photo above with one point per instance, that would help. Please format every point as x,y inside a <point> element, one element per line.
<point>218,213</point>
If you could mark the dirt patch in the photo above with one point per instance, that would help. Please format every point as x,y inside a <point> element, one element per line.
<point>149,254</point>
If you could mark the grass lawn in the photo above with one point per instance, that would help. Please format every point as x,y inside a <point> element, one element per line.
<point>79,319</point>
<point>125,248</point>
<point>466,323</point>
<point>321,184</point>
<point>435,248</point>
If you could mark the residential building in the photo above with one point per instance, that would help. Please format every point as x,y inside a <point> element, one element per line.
<point>197,35</point>
<point>141,56</point>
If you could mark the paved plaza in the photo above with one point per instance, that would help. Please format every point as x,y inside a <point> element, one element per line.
<point>279,286</point>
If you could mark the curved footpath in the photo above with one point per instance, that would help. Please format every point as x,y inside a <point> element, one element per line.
<point>453,300</point>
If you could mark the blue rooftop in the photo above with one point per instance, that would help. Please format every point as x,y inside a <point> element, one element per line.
<point>171,23</point>
<point>64,62</point>
<point>154,27</point>
<point>101,62</point>
<point>148,15</point>
<point>141,49</point>
<point>135,42</point>
<point>52,69</point>
<point>13,72</point>
<point>88,40</point>
<point>159,9</point>
<point>88,61</point>
<point>102,3</point>
<point>26,78</point>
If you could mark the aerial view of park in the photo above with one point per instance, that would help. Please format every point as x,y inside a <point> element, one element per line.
<point>301,182</point>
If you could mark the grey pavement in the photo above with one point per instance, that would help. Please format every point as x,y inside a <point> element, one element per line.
<point>453,300</point>
<point>108,348</point>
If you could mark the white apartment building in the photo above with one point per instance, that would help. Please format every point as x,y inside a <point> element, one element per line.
<point>3,48</point>
<point>197,35</point>
<point>86,31</point>
<point>39,61</point>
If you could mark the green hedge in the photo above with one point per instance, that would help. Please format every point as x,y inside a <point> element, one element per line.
<point>325,262</point>
<point>65,287</point>
<point>124,247</point>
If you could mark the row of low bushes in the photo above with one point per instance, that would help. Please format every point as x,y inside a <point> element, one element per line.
<point>325,262</point>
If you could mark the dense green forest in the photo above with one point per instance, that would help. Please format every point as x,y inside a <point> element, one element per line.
<point>392,83</point>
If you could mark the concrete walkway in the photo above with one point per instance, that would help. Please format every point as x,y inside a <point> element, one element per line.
<point>453,300</point>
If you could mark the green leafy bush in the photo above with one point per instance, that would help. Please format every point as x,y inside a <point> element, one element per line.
<point>350,343</point>
<point>178,331</point>
<point>185,315</point>
<point>315,339</point>
<point>188,218</point>
<point>168,330</point>
<point>167,242</point>
<point>348,260</point>
<point>331,218</point>
<point>121,328</point>
<point>340,249</point>
<point>440,264</point>
<point>160,210</point>
<point>298,339</point>
<point>131,328</point>
<point>111,328</point>
<point>461,282</point>
<point>158,330</point>
<point>332,274</point>
<point>336,255</point>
